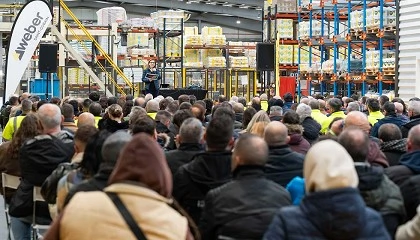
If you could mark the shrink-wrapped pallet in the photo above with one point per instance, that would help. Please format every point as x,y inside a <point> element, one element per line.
<point>109,15</point>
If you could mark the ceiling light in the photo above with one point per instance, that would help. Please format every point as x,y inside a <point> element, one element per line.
<point>238,21</point>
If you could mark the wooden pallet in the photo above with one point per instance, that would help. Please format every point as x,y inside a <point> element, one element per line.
<point>374,30</point>
<point>390,28</point>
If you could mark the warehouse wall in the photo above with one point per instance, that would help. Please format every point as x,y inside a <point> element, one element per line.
<point>409,56</point>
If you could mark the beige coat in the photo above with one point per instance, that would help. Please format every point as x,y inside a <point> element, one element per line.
<point>92,215</point>
<point>410,230</point>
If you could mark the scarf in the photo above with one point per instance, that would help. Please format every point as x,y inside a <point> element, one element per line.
<point>395,145</point>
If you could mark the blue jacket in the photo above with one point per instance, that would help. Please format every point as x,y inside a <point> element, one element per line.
<point>147,80</point>
<point>334,214</point>
<point>397,120</point>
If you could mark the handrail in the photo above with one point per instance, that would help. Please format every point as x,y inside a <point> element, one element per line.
<point>120,90</point>
<point>107,57</point>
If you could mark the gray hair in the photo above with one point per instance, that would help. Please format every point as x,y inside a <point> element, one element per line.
<point>26,105</point>
<point>353,106</point>
<point>414,106</point>
<point>49,116</point>
<point>152,106</point>
<point>191,131</point>
<point>303,111</point>
<point>276,111</point>
<point>234,99</point>
<point>148,97</point>
<point>136,113</point>
<point>314,104</point>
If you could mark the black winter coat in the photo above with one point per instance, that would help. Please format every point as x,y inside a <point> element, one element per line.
<point>183,155</point>
<point>283,165</point>
<point>414,121</point>
<point>39,157</point>
<point>161,128</point>
<point>207,170</point>
<point>410,190</point>
<point>409,166</point>
<point>334,214</point>
<point>383,195</point>
<point>111,125</point>
<point>244,207</point>
<point>311,129</point>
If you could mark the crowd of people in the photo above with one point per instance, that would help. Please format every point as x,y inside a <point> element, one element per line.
<point>159,168</point>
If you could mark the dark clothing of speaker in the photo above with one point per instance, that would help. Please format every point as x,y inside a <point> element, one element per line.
<point>151,86</point>
<point>48,58</point>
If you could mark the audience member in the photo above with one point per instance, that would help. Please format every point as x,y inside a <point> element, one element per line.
<point>352,106</point>
<point>68,123</point>
<point>183,98</point>
<point>248,115</point>
<point>334,106</point>
<point>152,107</point>
<point>297,142</point>
<point>185,105</point>
<point>96,110</point>
<point>311,127</point>
<point>260,198</point>
<point>374,111</point>
<point>114,120</point>
<point>179,118</point>
<point>414,115</point>
<point>392,143</point>
<point>199,112</point>
<point>264,102</point>
<point>14,122</point>
<point>316,113</point>
<point>276,113</point>
<point>239,111</point>
<point>288,102</point>
<point>85,119</point>
<point>382,100</point>
<point>390,117</point>
<point>163,121</point>
<point>331,185</point>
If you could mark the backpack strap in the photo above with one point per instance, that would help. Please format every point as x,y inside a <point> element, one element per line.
<point>127,216</point>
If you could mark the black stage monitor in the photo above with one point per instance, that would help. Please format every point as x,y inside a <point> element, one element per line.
<point>265,56</point>
<point>48,58</point>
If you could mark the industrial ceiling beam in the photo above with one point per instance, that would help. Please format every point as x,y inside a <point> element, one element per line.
<point>253,3</point>
<point>230,22</point>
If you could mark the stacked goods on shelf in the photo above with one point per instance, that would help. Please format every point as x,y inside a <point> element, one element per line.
<point>192,58</point>
<point>373,18</point>
<point>83,48</point>
<point>213,58</point>
<point>285,28</point>
<point>77,76</point>
<point>139,40</point>
<point>146,22</point>
<point>295,54</point>
<point>213,36</point>
<point>306,63</point>
<point>372,60</point>
<point>238,62</point>
<point>192,37</point>
<point>328,66</point>
<point>103,41</point>
<point>135,52</point>
<point>169,20</point>
<point>305,29</point>
<point>245,54</point>
<point>172,46</point>
<point>109,15</point>
<point>285,5</point>
<point>285,54</point>
<point>251,54</point>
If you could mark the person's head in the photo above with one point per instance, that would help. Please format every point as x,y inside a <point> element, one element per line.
<point>151,64</point>
<point>264,97</point>
<point>144,124</point>
<point>389,132</point>
<point>356,142</point>
<point>115,112</point>
<point>96,109</point>
<point>352,106</point>
<point>183,98</point>
<point>328,166</point>
<point>26,106</point>
<point>222,111</point>
<point>199,112</point>
<point>141,102</point>
<point>304,111</point>
<point>399,100</point>
<point>291,117</point>
<point>256,103</point>
<point>382,100</point>
<point>413,108</point>
<point>336,126</point>
<point>389,109</point>
<point>152,106</point>
<point>346,101</point>
<point>218,135</point>
<point>334,105</point>
<point>258,129</point>
<point>414,99</point>
<point>75,104</point>
<point>94,96</point>
<point>373,105</point>
<point>363,100</point>
<point>136,112</point>
<point>50,118</point>
<point>28,129</point>
<point>276,111</point>
<point>127,107</point>
<point>13,100</point>
<point>185,105</point>
<point>322,105</point>
<point>242,100</point>
<point>112,147</point>
<point>247,117</point>
<point>148,97</point>
<point>276,134</point>
<point>355,97</point>
<point>163,104</point>
<point>67,111</point>
<point>288,97</point>
<point>129,97</point>
<point>234,99</point>
<point>305,101</point>
<point>86,104</point>
<point>249,150</point>
<point>193,99</point>
<point>238,108</point>
<point>145,164</point>
<point>85,119</point>
<point>104,102</point>
<point>399,108</point>
<point>358,120</point>
<point>221,98</point>
<point>82,136</point>
<point>164,117</point>
<point>413,141</point>
<point>191,131</point>
<point>209,105</point>
<point>275,102</point>
<point>55,101</point>
<point>180,116</point>
<point>92,156</point>
<point>314,104</point>
<point>260,116</point>
<point>172,107</point>
<point>112,100</point>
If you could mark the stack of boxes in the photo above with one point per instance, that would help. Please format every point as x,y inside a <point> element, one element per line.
<point>192,57</point>
<point>192,38</point>
<point>213,36</point>
<point>373,18</point>
<point>213,58</point>
<point>168,19</point>
<point>146,22</point>
<point>285,5</point>
<point>285,28</point>
<point>83,48</point>
<point>372,59</point>
<point>77,76</point>
<point>305,29</point>
<point>106,17</point>
<point>305,65</point>
<point>285,54</point>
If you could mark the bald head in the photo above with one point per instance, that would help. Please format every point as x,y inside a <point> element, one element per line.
<point>25,95</point>
<point>276,134</point>
<point>141,102</point>
<point>305,101</point>
<point>85,119</point>
<point>356,142</point>
<point>357,119</point>
<point>50,118</point>
<point>249,150</point>
<point>413,141</point>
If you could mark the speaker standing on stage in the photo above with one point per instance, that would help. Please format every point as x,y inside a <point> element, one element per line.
<point>151,77</point>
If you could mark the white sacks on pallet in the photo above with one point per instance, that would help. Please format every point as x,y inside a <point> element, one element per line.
<point>109,15</point>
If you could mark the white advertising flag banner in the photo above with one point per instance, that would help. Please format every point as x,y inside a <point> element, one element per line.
<point>28,29</point>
